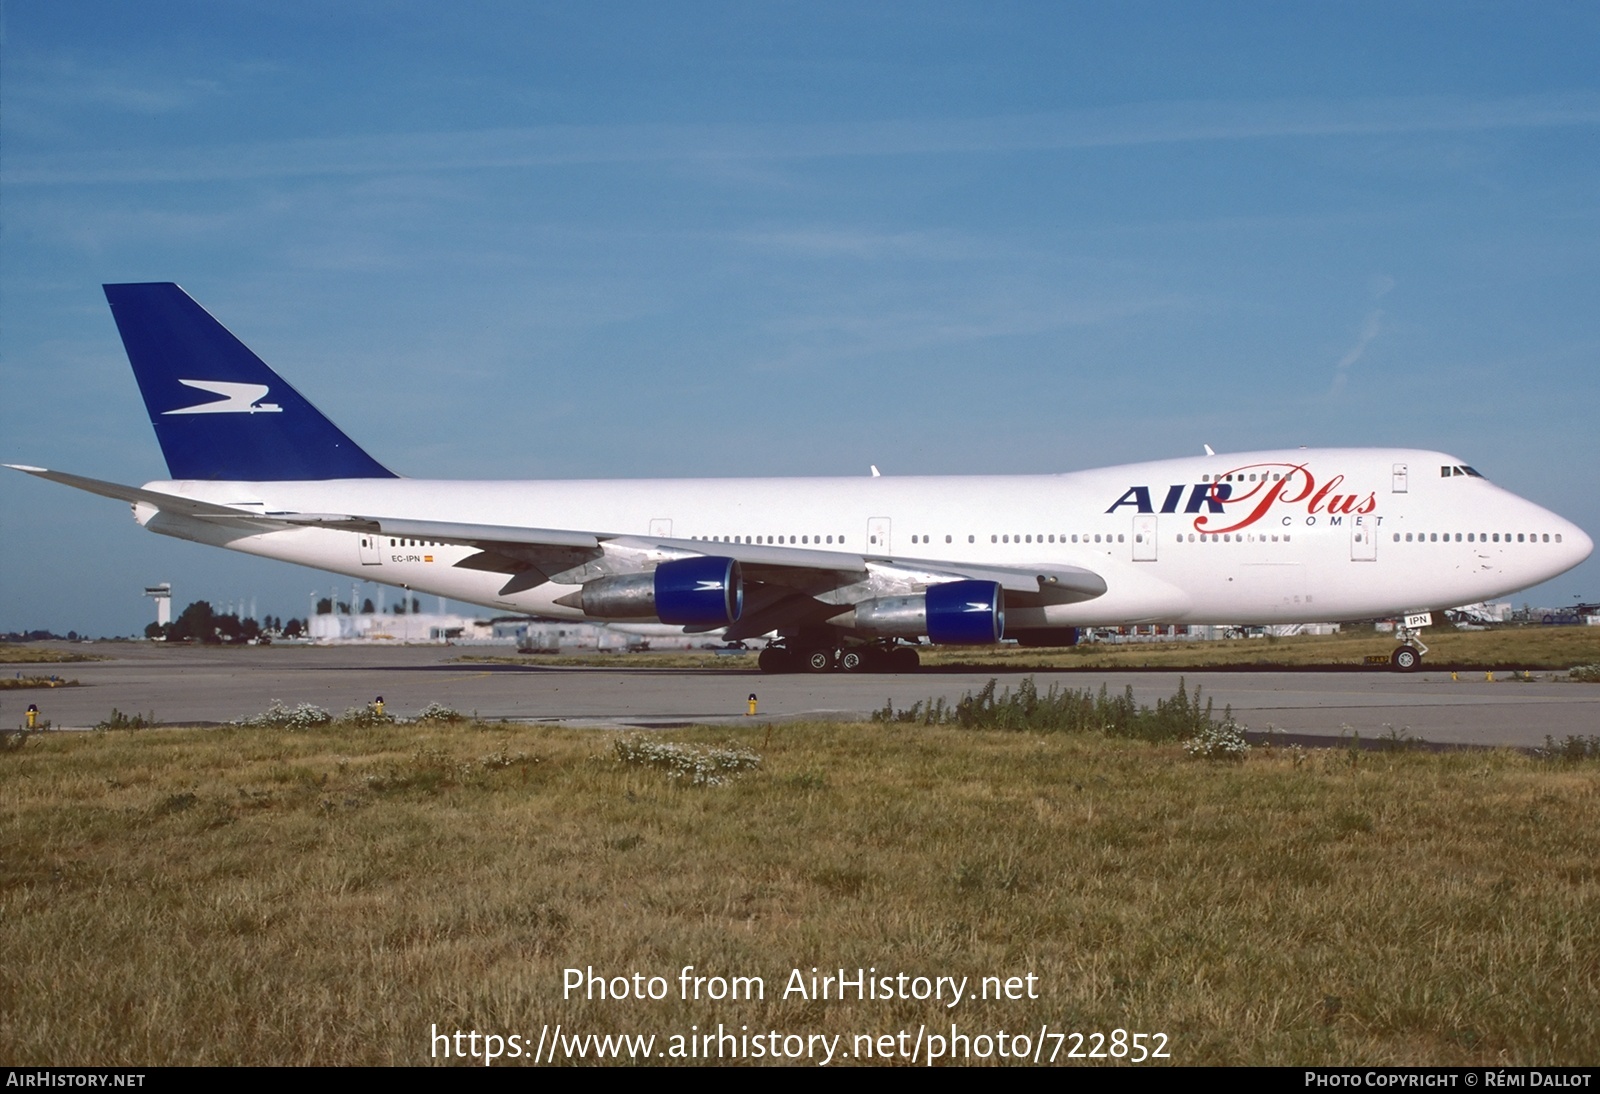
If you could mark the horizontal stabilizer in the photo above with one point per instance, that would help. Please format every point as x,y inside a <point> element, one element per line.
<point>169,502</point>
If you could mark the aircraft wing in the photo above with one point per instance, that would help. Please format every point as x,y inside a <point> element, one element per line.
<point>785,586</point>
<point>802,568</point>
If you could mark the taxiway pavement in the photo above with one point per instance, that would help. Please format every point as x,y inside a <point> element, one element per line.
<point>186,685</point>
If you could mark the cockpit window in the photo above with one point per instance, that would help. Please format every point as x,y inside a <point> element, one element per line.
<point>1447,471</point>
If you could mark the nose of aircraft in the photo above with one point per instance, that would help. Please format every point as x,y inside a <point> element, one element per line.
<point>1581,545</point>
<point>1574,547</point>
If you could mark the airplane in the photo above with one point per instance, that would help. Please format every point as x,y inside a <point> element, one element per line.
<point>847,573</point>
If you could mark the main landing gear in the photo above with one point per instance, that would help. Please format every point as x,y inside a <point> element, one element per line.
<point>823,656</point>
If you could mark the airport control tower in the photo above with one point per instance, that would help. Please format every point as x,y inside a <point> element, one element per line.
<point>162,594</point>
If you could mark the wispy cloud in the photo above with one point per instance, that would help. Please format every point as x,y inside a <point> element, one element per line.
<point>865,330</point>
<point>1370,328</point>
<point>554,146</point>
<point>65,82</point>
<point>870,246</point>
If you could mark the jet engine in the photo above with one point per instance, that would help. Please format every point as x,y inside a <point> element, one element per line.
<point>687,592</point>
<point>962,613</point>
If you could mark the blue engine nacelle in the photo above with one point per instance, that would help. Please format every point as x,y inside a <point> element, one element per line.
<point>699,592</point>
<point>966,613</point>
<point>959,613</point>
<point>687,592</point>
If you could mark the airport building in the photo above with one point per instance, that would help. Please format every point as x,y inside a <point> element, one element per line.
<point>520,632</point>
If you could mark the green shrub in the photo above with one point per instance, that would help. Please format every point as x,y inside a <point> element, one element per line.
<point>119,720</point>
<point>1571,750</point>
<point>1064,711</point>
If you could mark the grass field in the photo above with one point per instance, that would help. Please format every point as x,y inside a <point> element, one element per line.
<point>13,683</point>
<point>27,654</point>
<point>1546,648</point>
<point>329,895</point>
<point>1541,648</point>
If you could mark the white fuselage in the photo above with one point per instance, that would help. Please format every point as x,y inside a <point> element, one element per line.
<point>1268,537</point>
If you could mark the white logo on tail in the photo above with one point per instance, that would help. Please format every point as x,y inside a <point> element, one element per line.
<point>236,399</point>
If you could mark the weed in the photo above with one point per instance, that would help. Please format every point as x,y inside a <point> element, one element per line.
<point>1585,674</point>
<point>1398,740</point>
<point>366,717</point>
<point>1571,750</point>
<point>438,712</point>
<point>1352,744</point>
<point>1063,711</point>
<point>695,766</point>
<point>119,720</point>
<point>278,716</point>
<point>307,716</point>
<point>20,681</point>
<point>1219,743</point>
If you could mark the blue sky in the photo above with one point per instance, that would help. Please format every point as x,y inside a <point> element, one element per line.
<point>552,240</point>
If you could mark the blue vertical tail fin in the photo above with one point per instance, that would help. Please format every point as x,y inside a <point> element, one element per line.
<point>219,412</point>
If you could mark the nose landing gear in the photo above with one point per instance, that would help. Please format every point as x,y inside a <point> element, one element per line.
<point>1407,657</point>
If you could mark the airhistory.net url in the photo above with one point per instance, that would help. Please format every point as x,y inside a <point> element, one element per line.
<point>555,1045</point>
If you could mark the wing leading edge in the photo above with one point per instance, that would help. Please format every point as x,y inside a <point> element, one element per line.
<point>620,576</point>
<point>783,587</point>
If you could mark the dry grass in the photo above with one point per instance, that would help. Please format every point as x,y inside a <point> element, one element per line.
<point>1541,648</point>
<point>266,896</point>
<point>14,654</point>
<point>1547,648</point>
<point>12,683</point>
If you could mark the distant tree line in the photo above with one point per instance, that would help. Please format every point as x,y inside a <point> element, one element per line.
<point>199,622</point>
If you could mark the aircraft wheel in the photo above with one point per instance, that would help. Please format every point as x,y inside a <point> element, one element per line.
<point>859,659</point>
<point>775,659</point>
<point>820,660</point>
<point>903,659</point>
<point>1406,659</point>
